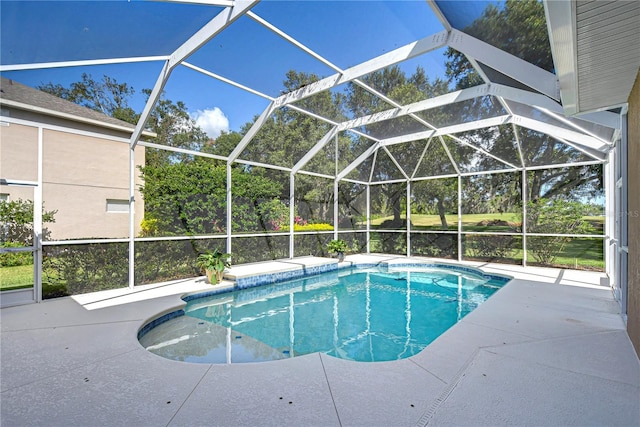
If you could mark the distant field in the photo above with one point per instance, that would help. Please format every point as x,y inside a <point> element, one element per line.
<point>430,220</point>
<point>470,222</point>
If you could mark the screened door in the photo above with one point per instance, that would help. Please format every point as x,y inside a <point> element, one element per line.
<point>17,243</point>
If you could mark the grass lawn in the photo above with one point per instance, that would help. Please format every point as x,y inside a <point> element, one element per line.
<point>578,253</point>
<point>16,277</point>
<point>429,221</point>
<point>471,222</point>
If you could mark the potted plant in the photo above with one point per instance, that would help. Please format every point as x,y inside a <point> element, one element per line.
<point>213,263</point>
<point>339,247</point>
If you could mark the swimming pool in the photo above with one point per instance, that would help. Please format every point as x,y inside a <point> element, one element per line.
<point>363,314</point>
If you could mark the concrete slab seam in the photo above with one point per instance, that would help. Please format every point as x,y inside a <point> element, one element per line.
<point>470,322</point>
<point>567,309</point>
<point>534,340</point>
<point>189,395</point>
<point>559,338</point>
<point>494,350</point>
<point>72,368</point>
<point>427,371</point>
<point>335,407</point>
<point>9,331</point>
<point>433,408</point>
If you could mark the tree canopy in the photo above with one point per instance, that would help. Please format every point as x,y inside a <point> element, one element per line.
<point>175,184</point>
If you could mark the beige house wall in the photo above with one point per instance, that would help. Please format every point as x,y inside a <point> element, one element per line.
<point>18,152</point>
<point>80,173</point>
<point>633,284</point>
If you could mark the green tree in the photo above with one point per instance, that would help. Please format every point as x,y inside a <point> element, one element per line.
<point>190,198</point>
<point>519,27</point>
<point>223,145</point>
<point>169,120</point>
<point>107,96</point>
<point>555,216</point>
<point>16,221</point>
<point>393,83</point>
<point>16,230</point>
<point>174,128</point>
<point>439,193</point>
<point>288,135</point>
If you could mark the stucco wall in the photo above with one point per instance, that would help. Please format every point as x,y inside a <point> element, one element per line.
<point>633,299</point>
<point>18,152</point>
<point>79,174</point>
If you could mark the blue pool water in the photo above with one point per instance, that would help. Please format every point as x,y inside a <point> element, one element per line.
<point>362,314</point>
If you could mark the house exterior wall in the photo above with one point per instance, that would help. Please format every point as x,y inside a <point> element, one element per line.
<point>79,174</point>
<point>18,152</point>
<point>633,284</point>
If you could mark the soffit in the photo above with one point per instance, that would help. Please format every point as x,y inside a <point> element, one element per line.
<point>596,49</point>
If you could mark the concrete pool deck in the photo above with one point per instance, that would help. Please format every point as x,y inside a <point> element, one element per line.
<point>550,348</point>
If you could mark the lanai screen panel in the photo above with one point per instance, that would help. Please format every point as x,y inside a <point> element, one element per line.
<point>309,89</point>
<point>59,31</point>
<point>271,50</point>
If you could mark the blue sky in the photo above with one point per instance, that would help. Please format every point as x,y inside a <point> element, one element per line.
<point>344,32</point>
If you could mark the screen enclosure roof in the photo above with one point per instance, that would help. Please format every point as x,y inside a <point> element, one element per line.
<point>233,56</point>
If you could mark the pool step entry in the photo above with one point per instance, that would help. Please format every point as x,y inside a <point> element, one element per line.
<point>262,273</point>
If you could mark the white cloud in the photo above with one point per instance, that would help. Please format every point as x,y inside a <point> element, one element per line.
<point>212,121</point>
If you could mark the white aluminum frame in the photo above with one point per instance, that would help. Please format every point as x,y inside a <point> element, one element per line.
<point>545,100</point>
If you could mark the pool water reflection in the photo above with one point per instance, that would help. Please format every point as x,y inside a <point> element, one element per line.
<point>373,314</point>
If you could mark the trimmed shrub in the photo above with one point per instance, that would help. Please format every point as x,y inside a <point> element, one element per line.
<point>14,259</point>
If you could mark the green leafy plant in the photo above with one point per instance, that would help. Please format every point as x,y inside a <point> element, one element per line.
<point>16,218</point>
<point>337,246</point>
<point>214,262</point>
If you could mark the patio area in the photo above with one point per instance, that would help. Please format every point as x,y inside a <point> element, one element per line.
<point>550,348</point>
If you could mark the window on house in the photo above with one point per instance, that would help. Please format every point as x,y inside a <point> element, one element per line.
<point>4,197</point>
<point>117,206</point>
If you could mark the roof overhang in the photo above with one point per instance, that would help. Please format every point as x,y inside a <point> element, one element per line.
<point>45,111</point>
<point>596,52</point>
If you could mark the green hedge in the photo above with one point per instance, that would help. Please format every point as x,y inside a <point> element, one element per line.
<point>15,259</point>
<point>309,227</point>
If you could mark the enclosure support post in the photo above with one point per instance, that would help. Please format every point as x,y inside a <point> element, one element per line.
<point>335,209</point>
<point>229,207</point>
<point>335,190</point>
<point>292,211</point>
<point>460,248</point>
<point>609,231</point>
<point>617,215</point>
<point>524,217</point>
<point>408,208</point>
<point>37,224</point>
<point>368,218</point>
<point>132,218</point>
